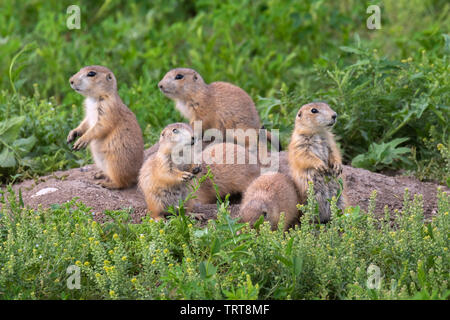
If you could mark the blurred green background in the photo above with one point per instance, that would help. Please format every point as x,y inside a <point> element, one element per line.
<point>390,86</point>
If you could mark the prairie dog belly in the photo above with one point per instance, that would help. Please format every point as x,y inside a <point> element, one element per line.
<point>184,109</point>
<point>91,111</point>
<point>92,117</point>
<point>98,155</point>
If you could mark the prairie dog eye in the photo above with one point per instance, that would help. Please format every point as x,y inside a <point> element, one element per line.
<point>175,131</point>
<point>314,110</point>
<point>179,76</point>
<point>264,214</point>
<point>91,74</point>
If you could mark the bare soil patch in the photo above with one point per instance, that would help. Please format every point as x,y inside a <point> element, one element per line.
<point>63,186</point>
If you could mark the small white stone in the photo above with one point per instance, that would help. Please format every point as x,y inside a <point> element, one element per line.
<point>44,191</point>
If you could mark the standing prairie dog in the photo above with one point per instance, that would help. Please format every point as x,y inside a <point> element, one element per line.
<point>163,179</point>
<point>268,196</point>
<point>219,105</point>
<point>314,156</point>
<point>109,127</point>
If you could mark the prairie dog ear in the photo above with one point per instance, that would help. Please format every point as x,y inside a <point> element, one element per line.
<point>299,114</point>
<point>195,77</point>
<point>109,77</point>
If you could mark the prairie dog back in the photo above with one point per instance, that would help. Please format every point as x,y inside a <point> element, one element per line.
<point>269,195</point>
<point>219,105</point>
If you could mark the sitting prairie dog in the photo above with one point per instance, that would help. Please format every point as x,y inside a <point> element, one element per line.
<point>233,168</point>
<point>219,105</point>
<point>314,156</point>
<point>109,127</point>
<point>162,180</point>
<point>268,196</point>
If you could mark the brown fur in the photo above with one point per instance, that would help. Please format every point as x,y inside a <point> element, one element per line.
<point>162,181</point>
<point>231,178</point>
<point>314,156</point>
<point>269,195</point>
<point>279,158</point>
<point>109,128</point>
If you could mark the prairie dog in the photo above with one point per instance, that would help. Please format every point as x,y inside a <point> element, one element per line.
<point>219,105</point>
<point>109,128</point>
<point>163,181</point>
<point>233,169</point>
<point>314,156</point>
<point>268,196</point>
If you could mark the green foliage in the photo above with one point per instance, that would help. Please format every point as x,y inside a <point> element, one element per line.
<point>33,141</point>
<point>390,87</point>
<point>226,259</point>
<point>381,155</point>
<point>385,84</point>
<point>13,149</point>
<point>378,99</point>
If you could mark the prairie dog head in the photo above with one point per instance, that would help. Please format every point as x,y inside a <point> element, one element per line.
<point>181,83</point>
<point>255,208</point>
<point>94,81</point>
<point>315,116</point>
<point>177,134</point>
<point>177,139</point>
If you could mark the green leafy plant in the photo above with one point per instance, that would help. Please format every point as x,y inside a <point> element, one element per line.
<point>383,155</point>
<point>12,148</point>
<point>223,259</point>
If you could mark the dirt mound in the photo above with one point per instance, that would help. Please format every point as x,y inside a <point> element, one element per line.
<point>62,186</point>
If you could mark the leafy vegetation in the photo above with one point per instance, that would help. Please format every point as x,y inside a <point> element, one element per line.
<point>226,259</point>
<point>385,84</point>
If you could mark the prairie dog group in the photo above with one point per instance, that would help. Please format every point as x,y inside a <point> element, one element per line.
<point>314,156</point>
<point>109,128</point>
<point>115,139</point>
<point>164,181</point>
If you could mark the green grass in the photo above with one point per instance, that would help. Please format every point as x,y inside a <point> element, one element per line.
<point>181,260</point>
<point>390,88</point>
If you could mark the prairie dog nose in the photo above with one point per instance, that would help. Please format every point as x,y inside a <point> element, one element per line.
<point>334,116</point>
